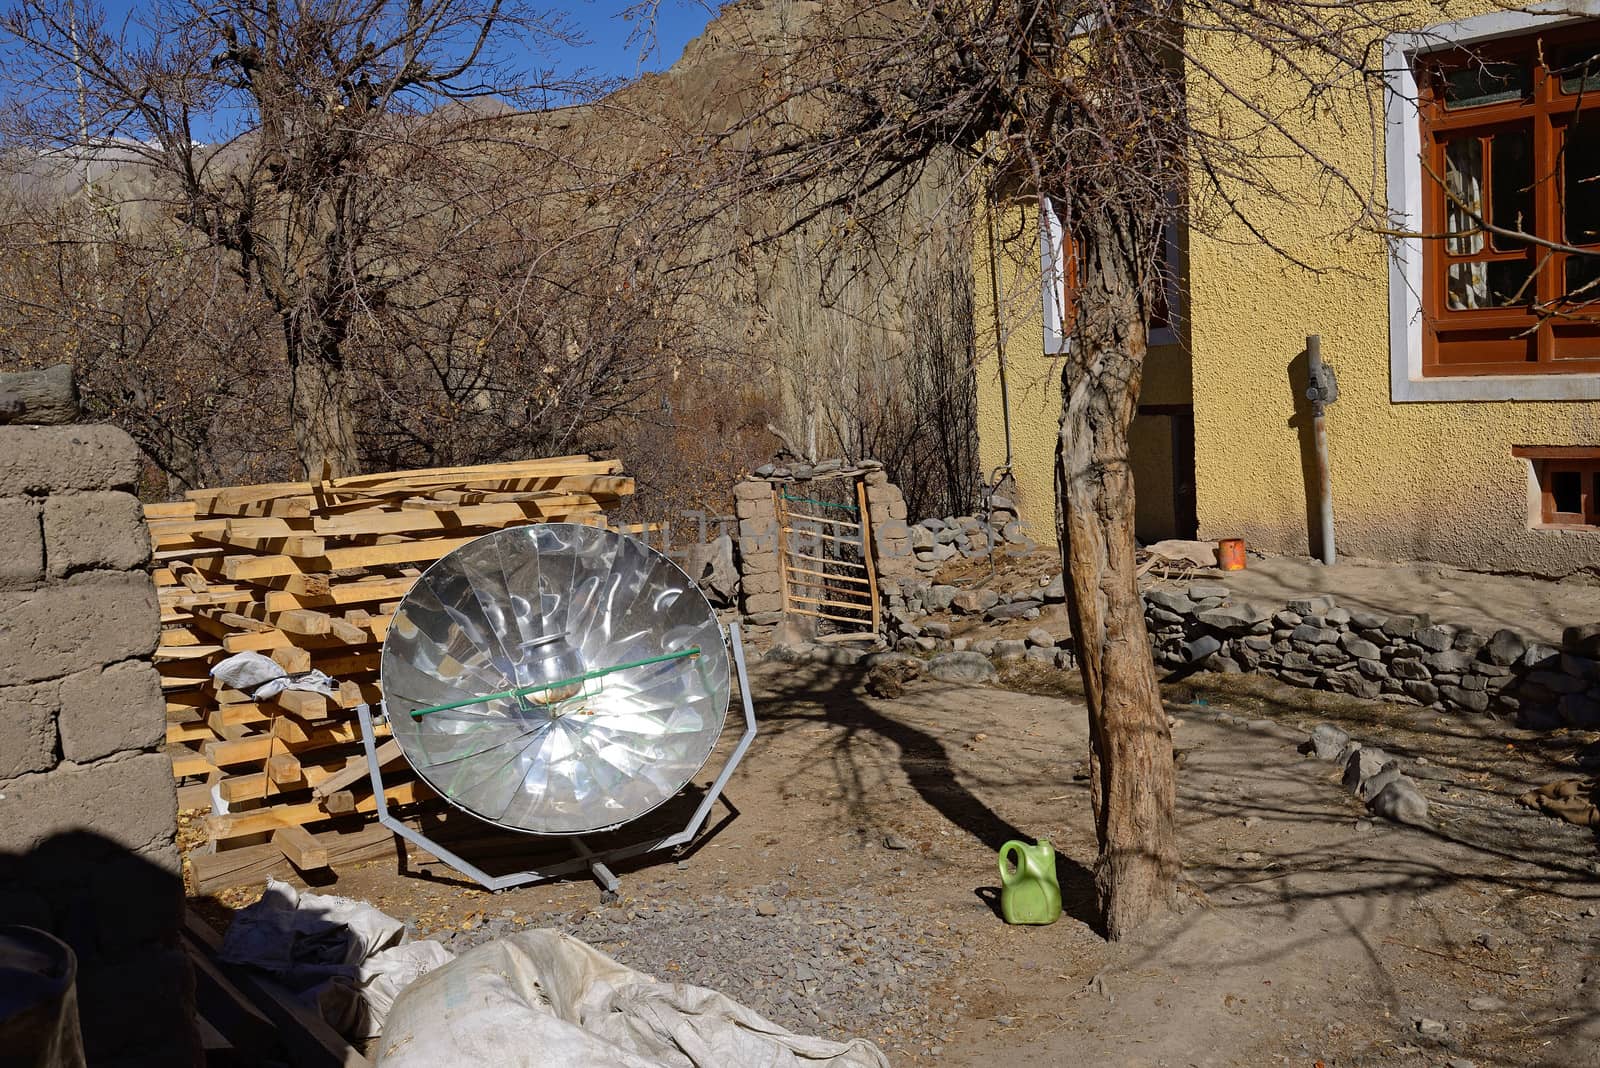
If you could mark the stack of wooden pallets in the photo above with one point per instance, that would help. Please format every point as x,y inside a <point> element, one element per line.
<point>310,574</point>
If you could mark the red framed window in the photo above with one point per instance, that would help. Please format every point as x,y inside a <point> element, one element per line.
<point>1511,206</point>
<point>1569,484</point>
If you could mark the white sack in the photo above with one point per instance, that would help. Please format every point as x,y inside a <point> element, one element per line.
<point>541,998</point>
<point>246,671</point>
<point>313,681</point>
<point>341,956</point>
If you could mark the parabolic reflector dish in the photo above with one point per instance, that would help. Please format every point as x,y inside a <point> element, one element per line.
<point>542,678</point>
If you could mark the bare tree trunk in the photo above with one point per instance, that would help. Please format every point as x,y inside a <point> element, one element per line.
<point>319,401</point>
<point>1131,777</point>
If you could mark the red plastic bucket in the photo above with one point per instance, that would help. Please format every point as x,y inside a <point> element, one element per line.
<point>1230,554</point>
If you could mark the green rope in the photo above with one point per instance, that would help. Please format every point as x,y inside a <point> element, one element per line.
<point>822,504</point>
<point>523,691</point>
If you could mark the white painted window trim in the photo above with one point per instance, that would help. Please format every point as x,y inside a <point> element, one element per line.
<point>1058,334</point>
<point>1403,152</point>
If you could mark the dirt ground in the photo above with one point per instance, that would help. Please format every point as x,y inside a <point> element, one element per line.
<point>1309,935</point>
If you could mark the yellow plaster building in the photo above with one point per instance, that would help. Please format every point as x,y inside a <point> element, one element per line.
<point>1467,429</point>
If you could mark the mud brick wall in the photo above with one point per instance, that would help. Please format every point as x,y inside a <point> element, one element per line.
<point>886,508</point>
<point>88,812</point>
<point>761,590</point>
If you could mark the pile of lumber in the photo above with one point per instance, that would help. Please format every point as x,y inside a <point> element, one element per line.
<point>310,574</point>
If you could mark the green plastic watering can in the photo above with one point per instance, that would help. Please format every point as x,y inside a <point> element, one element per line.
<point>1029,892</point>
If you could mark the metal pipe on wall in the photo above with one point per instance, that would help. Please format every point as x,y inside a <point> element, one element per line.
<point>1321,391</point>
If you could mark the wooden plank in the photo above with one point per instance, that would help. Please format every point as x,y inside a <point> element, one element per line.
<point>249,865</point>
<point>823,559</point>
<point>868,556</point>
<point>423,521</point>
<point>196,795</point>
<point>185,765</point>
<point>861,606</point>
<point>284,768</point>
<point>340,665</point>
<point>1556,452</point>
<point>824,615</point>
<point>286,507</point>
<point>169,510</point>
<point>292,659</point>
<point>410,552</point>
<point>266,820</point>
<point>826,575</point>
<point>219,1000</point>
<point>289,545</point>
<point>178,733</point>
<point>301,848</point>
<point>348,632</point>
<point>577,464</point>
<point>303,621</point>
<point>171,653</point>
<point>341,773</point>
<point>365,591</point>
<point>257,748</point>
<point>356,769</point>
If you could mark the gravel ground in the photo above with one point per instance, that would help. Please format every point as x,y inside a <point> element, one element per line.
<point>847,966</point>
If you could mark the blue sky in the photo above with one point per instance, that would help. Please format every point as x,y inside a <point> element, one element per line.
<point>608,53</point>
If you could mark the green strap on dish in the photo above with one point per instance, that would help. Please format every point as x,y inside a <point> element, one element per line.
<point>523,691</point>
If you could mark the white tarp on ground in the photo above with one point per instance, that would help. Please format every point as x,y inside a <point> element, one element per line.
<point>342,957</point>
<point>541,998</point>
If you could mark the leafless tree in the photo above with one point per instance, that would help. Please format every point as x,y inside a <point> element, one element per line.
<point>164,339</point>
<point>328,148</point>
<point>1127,116</point>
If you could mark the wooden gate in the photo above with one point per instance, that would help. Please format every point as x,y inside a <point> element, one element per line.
<point>825,559</point>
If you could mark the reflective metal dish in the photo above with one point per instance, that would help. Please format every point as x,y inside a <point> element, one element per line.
<point>534,609</point>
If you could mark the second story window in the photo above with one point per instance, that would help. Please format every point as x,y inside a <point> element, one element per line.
<point>1511,205</point>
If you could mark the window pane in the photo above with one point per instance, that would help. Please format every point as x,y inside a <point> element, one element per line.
<point>1566,491</point>
<point>1489,285</point>
<point>1580,70</point>
<point>1511,186</point>
<point>1583,277</point>
<point>1463,177</point>
<point>1486,83</point>
<point>1580,182</point>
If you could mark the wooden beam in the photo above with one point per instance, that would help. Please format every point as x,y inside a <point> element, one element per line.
<point>301,848</point>
<point>266,820</point>
<point>247,568</point>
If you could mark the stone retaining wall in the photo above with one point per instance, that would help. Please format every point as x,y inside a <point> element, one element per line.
<point>1313,642</point>
<point>1309,641</point>
<point>88,812</point>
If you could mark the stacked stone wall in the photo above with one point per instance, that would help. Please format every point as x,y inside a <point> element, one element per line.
<point>755,504</point>
<point>1313,642</point>
<point>760,587</point>
<point>891,538</point>
<point>88,813</point>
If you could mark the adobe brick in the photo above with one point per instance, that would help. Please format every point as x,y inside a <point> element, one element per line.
<point>106,710</point>
<point>27,728</point>
<point>50,459</point>
<point>21,543</point>
<point>94,530</point>
<point>97,617</point>
<point>129,800</point>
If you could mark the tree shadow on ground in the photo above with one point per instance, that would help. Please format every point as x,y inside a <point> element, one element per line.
<point>838,692</point>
